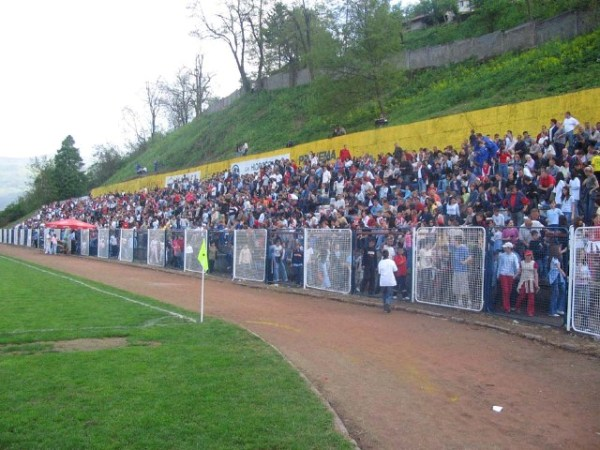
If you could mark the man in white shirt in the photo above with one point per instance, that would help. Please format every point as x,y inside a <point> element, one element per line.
<point>569,125</point>
<point>387,279</point>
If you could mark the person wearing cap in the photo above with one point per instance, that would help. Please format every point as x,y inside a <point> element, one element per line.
<point>528,283</point>
<point>508,268</point>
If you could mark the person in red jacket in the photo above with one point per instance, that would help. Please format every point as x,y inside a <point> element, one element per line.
<point>401,263</point>
<point>345,154</point>
<point>546,185</point>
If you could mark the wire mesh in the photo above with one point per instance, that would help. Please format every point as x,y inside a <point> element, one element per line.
<point>84,243</point>
<point>585,278</point>
<point>103,242</point>
<point>449,267</point>
<point>126,245</point>
<point>249,252</point>
<point>156,248</point>
<point>193,241</point>
<point>328,260</point>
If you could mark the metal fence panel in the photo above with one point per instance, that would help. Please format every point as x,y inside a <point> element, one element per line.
<point>328,260</point>
<point>29,241</point>
<point>156,248</point>
<point>84,242</point>
<point>293,259</point>
<point>449,267</point>
<point>126,245</point>
<point>103,242</point>
<point>22,237</point>
<point>175,249</point>
<point>220,252</point>
<point>249,256</point>
<point>192,242</point>
<point>550,251</point>
<point>585,278</point>
<point>140,246</point>
<point>364,267</point>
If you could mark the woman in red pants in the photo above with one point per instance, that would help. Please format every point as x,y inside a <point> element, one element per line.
<point>508,268</point>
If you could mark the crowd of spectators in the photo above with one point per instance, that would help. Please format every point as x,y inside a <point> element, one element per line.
<point>489,181</point>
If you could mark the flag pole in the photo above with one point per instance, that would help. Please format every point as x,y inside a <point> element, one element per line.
<point>202,298</point>
<point>203,260</point>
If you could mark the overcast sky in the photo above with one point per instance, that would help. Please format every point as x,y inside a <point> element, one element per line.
<point>71,66</point>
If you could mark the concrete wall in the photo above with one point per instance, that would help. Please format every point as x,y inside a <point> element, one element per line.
<point>529,35</point>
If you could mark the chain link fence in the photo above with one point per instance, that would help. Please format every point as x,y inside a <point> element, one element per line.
<point>126,245</point>
<point>249,257</point>
<point>328,260</point>
<point>156,248</point>
<point>193,242</point>
<point>84,242</point>
<point>585,276</point>
<point>103,242</point>
<point>449,265</point>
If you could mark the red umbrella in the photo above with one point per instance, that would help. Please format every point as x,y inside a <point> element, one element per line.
<point>72,224</point>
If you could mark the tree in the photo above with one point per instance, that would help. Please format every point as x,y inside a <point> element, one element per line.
<point>230,26</point>
<point>201,85</point>
<point>178,98</point>
<point>298,38</point>
<point>107,160</point>
<point>69,179</point>
<point>256,22</point>
<point>153,102</point>
<point>365,69</point>
<point>42,188</point>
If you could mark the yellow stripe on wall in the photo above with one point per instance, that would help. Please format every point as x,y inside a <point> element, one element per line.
<point>440,132</point>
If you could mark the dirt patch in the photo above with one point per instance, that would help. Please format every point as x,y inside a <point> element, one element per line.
<point>89,345</point>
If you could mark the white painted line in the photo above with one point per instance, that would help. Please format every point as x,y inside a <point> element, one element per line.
<point>93,288</point>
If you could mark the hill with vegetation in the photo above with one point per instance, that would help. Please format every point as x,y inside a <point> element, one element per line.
<point>268,120</point>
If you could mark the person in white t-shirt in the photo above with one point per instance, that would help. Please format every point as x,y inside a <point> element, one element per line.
<point>387,279</point>
<point>569,125</point>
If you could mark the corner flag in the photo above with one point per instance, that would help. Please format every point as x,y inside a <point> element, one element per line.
<point>203,256</point>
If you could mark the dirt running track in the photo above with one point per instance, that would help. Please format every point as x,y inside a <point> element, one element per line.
<point>398,381</point>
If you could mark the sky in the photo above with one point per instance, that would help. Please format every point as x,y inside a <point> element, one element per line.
<point>70,67</point>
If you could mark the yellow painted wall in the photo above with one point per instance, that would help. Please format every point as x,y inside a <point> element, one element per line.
<point>440,132</point>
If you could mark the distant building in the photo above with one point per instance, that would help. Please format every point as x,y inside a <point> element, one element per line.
<point>418,22</point>
<point>465,7</point>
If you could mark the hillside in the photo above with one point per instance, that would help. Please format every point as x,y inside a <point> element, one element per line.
<point>268,120</point>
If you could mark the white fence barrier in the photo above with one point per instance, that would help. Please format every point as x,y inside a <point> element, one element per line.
<point>249,255</point>
<point>126,245</point>
<point>192,242</point>
<point>585,280</point>
<point>328,260</point>
<point>156,248</point>
<point>103,242</point>
<point>84,242</point>
<point>449,263</point>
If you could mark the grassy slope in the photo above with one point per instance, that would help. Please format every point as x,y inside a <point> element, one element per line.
<point>267,120</point>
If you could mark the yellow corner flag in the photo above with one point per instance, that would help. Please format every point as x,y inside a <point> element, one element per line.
<point>203,256</point>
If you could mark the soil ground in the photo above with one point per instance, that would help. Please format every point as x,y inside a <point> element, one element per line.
<point>418,378</point>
